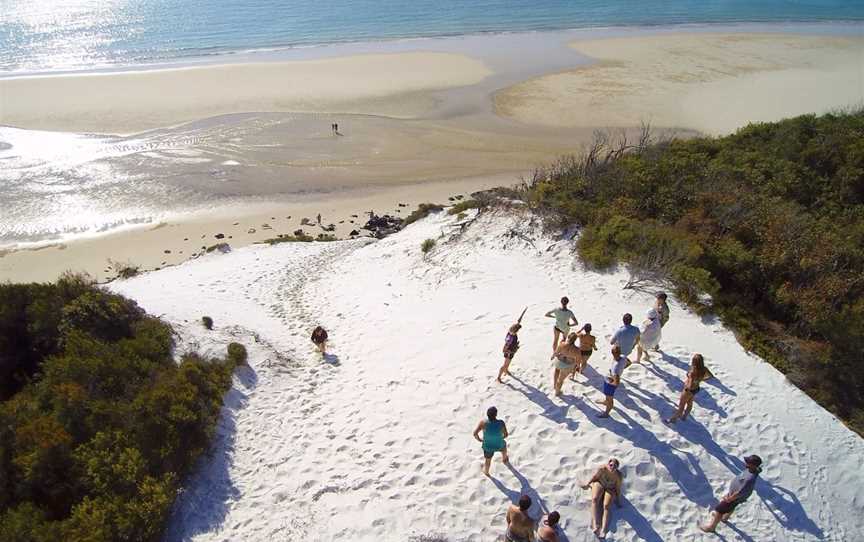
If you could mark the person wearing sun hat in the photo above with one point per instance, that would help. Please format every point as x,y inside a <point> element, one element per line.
<point>740,489</point>
<point>649,335</point>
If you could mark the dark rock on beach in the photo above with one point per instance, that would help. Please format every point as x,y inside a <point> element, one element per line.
<point>219,236</point>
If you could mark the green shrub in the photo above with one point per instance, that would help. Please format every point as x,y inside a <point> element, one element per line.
<point>124,270</point>
<point>102,425</point>
<point>427,245</point>
<point>463,206</point>
<point>767,224</point>
<point>237,354</point>
<point>423,210</point>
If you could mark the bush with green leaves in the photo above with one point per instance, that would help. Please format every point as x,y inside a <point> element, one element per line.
<point>99,425</point>
<point>423,210</point>
<point>427,245</point>
<point>767,223</point>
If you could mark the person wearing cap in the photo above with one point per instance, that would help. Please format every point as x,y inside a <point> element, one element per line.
<point>564,318</point>
<point>548,529</point>
<point>626,337</point>
<point>649,335</point>
<point>740,489</point>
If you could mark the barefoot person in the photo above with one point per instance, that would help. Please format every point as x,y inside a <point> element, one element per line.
<point>319,337</point>
<point>662,309</point>
<point>740,489</point>
<point>613,380</point>
<point>587,345</point>
<point>548,531</point>
<point>511,345</point>
<point>649,335</point>
<point>626,337</point>
<point>567,358</point>
<point>520,526</point>
<point>494,433</point>
<point>606,486</point>
<point>563,318</point>
<point>695,376</point>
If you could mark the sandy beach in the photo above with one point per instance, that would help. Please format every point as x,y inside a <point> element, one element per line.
<point>187,152</point>
<point>713,83</point>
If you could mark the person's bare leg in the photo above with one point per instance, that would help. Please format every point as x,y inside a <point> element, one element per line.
<point>688,407</point>
<point>607,503</point>
<point>609,402</point>
<point>555,340</point>
<point>504,457</point>
<point>555,374</point>
<point>486,463</point>
<point>680,411</point>
<point>715,519</point>
<point>596,499</point>
<point>504,369</point>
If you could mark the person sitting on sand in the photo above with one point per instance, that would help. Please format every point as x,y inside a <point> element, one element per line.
<point>511,345</point>
<point>695,376</point>
<point>520,526</point>
<point>626,337</point>
<point>613,380</point>
<point>740,489</point>
<point>548,531</point>
<point>319,337</point>
<point>494,433</point>
<point>587,345</point>
<point>567,359</point>
<point>605,485</point>
<point>649,335</point>
<point>563,316</point>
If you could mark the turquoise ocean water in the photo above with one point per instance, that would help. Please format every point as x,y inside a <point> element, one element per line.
<point>55,35</point>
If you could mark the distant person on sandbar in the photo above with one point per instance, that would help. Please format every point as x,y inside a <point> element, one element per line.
<point>587,345</point>
<point>606,485</point>
<point>511,345</point>
<point>520,526</point>
<point>336,128</point>
<point>319,337</point>
<point>649,335</point>
<point>662,309</point>
<point>548,531</point>
<point>626,337</point>
<point>613,380</point>
<point>319,218</point>
<point>494,433</point>
<point>568,358</point>
<point>695,376</point>
<point>740,489</point>
<point>563,318</point>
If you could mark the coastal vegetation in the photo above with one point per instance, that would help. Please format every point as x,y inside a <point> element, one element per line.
<point>763,228</point>
<point>427,245</point>
<point>99,425</point>
<point>422,211</point>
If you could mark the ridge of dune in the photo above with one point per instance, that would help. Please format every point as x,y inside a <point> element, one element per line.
<point>373,442</point>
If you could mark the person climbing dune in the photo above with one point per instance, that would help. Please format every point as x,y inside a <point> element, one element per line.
<point>319,338</point>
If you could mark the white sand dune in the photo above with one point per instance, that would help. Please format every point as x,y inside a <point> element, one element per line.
<point>374,442</point>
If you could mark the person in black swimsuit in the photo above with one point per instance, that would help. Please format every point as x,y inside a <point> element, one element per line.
<point>697,373</point>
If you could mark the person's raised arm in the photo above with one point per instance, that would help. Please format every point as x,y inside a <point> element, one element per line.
<point>479,428</point>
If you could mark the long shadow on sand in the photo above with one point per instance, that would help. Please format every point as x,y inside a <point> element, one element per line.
<point>538,507</point>
<point>686,471</point>
<point>637,521</point>
<point>703,399</point>
<point>556,413</point>
<point>786,508</point>
<point>203,506</point>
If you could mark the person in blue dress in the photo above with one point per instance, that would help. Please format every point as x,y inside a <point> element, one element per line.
<point>494,432</point>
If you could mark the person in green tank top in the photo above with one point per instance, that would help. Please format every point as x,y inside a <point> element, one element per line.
<point>494,433</point>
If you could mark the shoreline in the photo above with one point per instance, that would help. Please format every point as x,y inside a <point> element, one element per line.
<point>418,119</point>
<point>313,51</point>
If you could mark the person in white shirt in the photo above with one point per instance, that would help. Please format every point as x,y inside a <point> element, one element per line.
<point>649,335</point>
<point>740,489</point>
